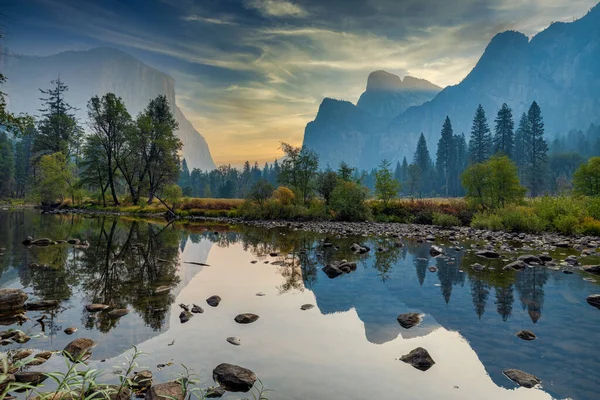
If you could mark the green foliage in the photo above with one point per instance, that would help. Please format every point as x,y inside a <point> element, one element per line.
<point>586,179</point>
<point>7,166</point>
<point>260,192</point>
<point>56,178</point>
<point>299,170</point>
<point>447,160</point>
<point>504,132</point>
<point>326,182</point>
<point>348,202</point>
<point>480,144</point>
<point>487,220</point>
<point>566,224</point>
<point>590,226</point>
<point>494,183</point>
<point>445,220</point>
<point>386,186</point>
<point>535,151</point>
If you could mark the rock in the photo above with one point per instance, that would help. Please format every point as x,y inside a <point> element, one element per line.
<point>32,378</point>
<point>545,257</point>
<point>9,378</point>
<point>73,241</point>
<point>215,392</point>
<point>409,320</point>
<point>432,269</point>
<point>526,335</point>
<point>562,245</point>
<point>20,337</point>
<point>118,313</point>
<point>530,259</point>
<point>436,251</point>
<point>185,316</point>
<point>592,269</point>
<point>109,392</point>
<point>516,265</point>
<point>168,390</point>
<point>567,272</point>
<point>246,318</point>
<point>234,378</point>
<point>332,271</point>
<point>306,307</point>
<point>27,242</point>
<point>594,300</point>
<point>41,305</point>
<point>213,301</point>
<point>5,342</point>
<point>79,349</point>
<point>197,309</point>
<point>12,299</point>
<point>477,267</point>
<point>96,307</point>
<point>418,358</point>
<point>142,379</point>
<point>234,341</point>
<point>347,267</point>
<point>36,361</point>
<point>488,254</point>
<point>71,330</point>
<point>21,354</point>
<point>522,378</point>
<point>42,242</point>
<point>260,294</point>
<point>184,307</point>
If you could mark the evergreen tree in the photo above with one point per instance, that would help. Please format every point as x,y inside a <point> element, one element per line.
<point>7,165</point>
<point>536,151</point>
<point>504,135</point>
<point>461,162</point>
<point>398,172</point>
<point>184,178</point>
<point>446,155</point>
<point>22,162</point>
<point>519,149</point>
<point>480,145</point>
<point>421,156</point>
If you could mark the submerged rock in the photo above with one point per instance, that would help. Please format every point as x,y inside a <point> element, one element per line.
<point>526,335</point>
<point>488,254</point>
<point>306,307</point>
<point>409,320</point>
<point>142,379</point>
<point>96,307</point>
<point>436,251</point>
<point>234,341</point>
<point>79,349</point>
<point>592,269</point>
<point>29,377</point>
<point>41,305</point>
<point>169,390</point>
<point>594,300</point>
<point>197,309</point>
<point>530,259</point>
<point>213,301</point>
<point>185,316</point>
<point>419,358</point>
<point>522,378</point>
<point>477,267</point>
<point>516,265</point>
<point>215,392</point>
<point>118,313</point>
<point>12,299</point>
<point>246,318</point>
<point>234,378</point>
<point>70,331</point>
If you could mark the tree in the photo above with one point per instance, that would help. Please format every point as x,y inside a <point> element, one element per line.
<point>480,145</point>
<point>56,178</point>
<point>58,130</point>
<point>7,166</point>
<point>446,155</point>
<point>260,192</point>
<point>586,179</point>
<point>536,151</point>
<point>413,180</point>
<point>386,186</point>
<point>523,131</point>
<point>299,169</point>
<point>494,183</point>
<point>22,162</point>
<point>170,196</point>
<point>504,134</point>
<point>109,122</point>
<point>422,159</point>
<point>326,182</point>
<point>348,201</point>
<point>345,172</point>
<point>95,167</point>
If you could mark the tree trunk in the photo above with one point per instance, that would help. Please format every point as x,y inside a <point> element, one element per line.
<point>111,182</point>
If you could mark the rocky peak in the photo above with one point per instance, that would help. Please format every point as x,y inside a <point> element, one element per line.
<point>382,81</point>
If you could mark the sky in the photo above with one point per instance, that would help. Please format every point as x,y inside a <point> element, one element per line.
<point>252,73</point>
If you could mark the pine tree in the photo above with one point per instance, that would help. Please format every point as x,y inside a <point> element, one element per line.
<point>404,172</point>
<point>422,157</point>
<point>519,149</point>
<point>446,155</point>
<point>460,143</point>
<point>504,133</point>
<point>536,151</point>
<point>480,145</point>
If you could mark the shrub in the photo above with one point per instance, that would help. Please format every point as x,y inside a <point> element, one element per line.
<point>348,202</point>
<point>566,224</point>
<point>487,221</point>
<point>260,191</point>
<point>284,196</point>
<point>590,226</point>
<point>445,220</point>
<point>521,219</point>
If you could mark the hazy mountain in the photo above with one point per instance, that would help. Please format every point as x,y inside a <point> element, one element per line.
<point>558,68</point>
<point>342,131</point>
<point>96,72</point>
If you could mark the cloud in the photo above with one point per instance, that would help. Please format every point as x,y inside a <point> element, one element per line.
<point>215,21</point>
<point>277,8</point>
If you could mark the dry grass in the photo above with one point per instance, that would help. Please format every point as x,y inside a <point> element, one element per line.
<point>195,204</point>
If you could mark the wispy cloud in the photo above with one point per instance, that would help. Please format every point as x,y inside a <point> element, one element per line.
<point>277,8</point>
<point>215,21</point>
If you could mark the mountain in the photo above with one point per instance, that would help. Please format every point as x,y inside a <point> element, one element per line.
<point>96,72</point>
<point>343,131</point>
<point>557,68</point>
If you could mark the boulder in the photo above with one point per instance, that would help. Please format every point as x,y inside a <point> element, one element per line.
<point>41,305</point>
<point>515,265</point>
<point>79,349</point>
<point>592,269</point>
<point>436,251</point>
<point>185,316</point>
<point>29,377</point>
<point>22,354</point>
<point>73,241</point>
<point>96,307</point>
<point>246,318</point>
<point>545,257</point>
<point>213,301</point>
<point>594,300</point>
<point>530,259</point>
<point>168,390</point>
<point>419,358</point>
<point>522,378</point>
<point>118,313</point>
<point>409,320</point>
<point>234,378</point>
<point>12,299</point>
<point>526,335</point>
<point>142,379</point>
<point>332,271</point>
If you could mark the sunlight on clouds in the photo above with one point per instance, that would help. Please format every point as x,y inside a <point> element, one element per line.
<point>277,8</point>
<point>207,20</point>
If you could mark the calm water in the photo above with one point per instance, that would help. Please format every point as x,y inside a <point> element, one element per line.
<point>347,347</point>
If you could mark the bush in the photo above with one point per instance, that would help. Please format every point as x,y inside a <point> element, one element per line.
<point>445,220</point>
<point>284,196</point>
<point>566,224</point>
<point>521,219</point>
<point>260,191</point>
<point>488,221</point>
<point>590,226</point>
<point>348,202</point>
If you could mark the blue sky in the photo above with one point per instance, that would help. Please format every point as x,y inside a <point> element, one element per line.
<point>251,73</point>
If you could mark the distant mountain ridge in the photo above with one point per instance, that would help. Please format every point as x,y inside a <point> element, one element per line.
<point>558,68</point>
<point>96,72</point>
